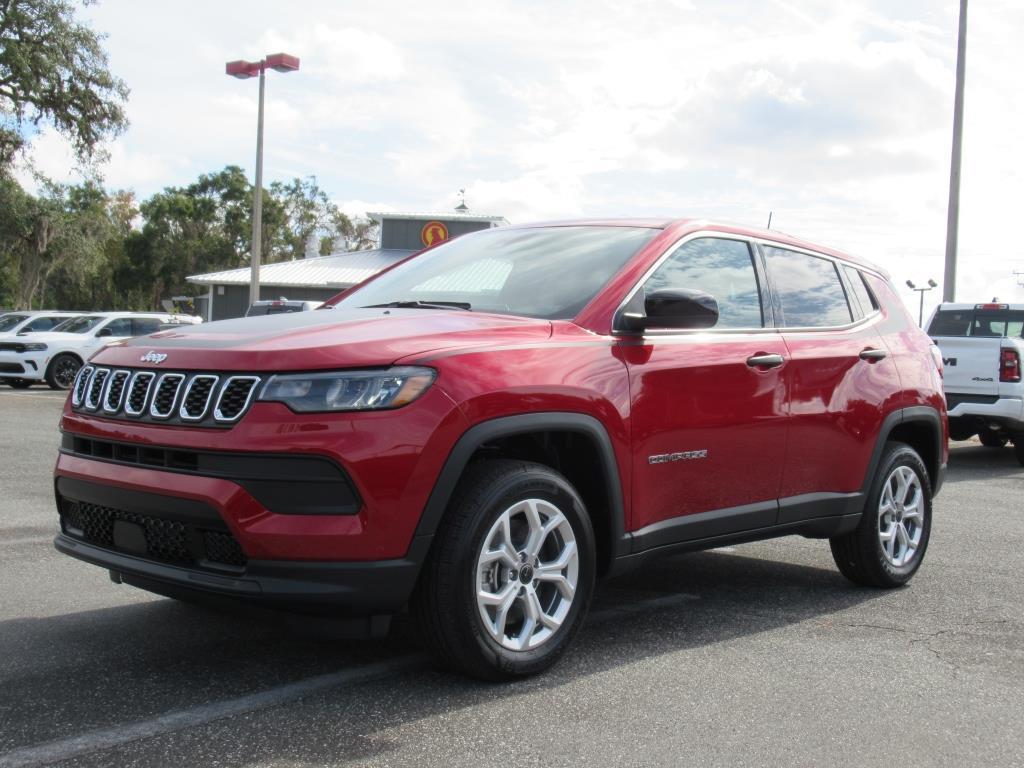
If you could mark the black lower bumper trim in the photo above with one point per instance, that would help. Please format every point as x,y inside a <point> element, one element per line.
<point>358,588</point>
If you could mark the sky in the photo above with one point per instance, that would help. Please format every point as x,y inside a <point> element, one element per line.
<point>835,118</point>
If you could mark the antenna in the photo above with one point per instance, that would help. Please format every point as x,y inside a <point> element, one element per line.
<point>769,219</point>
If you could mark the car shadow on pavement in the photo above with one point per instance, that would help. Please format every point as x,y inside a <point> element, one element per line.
<point>65,675</point>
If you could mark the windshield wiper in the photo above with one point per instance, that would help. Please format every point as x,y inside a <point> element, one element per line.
<point>424,305</point>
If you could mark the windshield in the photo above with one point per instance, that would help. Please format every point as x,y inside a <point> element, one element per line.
<point>547,272</point>
<point>79,324</point>
<point>8,322</point>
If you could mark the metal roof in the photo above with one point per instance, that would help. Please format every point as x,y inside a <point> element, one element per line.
<point>338,270</point>
<point>441,216</point>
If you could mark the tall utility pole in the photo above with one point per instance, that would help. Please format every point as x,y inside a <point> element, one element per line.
<point>243,70</point>
<point>953,213</point>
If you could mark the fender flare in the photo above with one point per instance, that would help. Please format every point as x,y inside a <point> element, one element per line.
<point>506,426</point>
<point>924,414</point>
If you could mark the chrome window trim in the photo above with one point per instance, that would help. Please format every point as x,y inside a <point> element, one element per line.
<point>751,240</point>
<point>174,400</point>
<point>217,416</point>
<point>105,397</point>
<point>145,398</point>
<point>182,413</point>
<point>86,373</point>
<point>89,404</point>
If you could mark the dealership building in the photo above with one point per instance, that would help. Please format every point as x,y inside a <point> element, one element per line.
<point>319,278</point>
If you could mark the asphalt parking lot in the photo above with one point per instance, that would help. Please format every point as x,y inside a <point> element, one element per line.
<point>761,654</point>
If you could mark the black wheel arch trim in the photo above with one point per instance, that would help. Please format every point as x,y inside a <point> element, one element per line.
<point>508,426</point>
<point>922,414</point>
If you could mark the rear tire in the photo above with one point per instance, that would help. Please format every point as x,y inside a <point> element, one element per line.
<point>992,439</point>
<point>19,383</point>
<point>61,373</point>
<point>511,573</point>
<point>889,543</point>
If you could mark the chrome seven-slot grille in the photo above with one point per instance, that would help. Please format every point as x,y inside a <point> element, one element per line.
<point>202,399</point>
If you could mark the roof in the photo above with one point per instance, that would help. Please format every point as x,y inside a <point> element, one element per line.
<point>338,270</point>
<point>444,216</point>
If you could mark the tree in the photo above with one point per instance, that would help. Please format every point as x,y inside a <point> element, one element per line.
<point>310,213</point>
<point>53,68</point>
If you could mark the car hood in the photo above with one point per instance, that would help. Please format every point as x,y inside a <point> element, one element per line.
<point>322,339</point>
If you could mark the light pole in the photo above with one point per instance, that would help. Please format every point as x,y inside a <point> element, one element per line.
<point>921,292</point>
<point>243,70</point>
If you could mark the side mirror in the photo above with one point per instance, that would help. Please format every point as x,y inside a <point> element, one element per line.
<point>104,332</point>
<point>680,308</point>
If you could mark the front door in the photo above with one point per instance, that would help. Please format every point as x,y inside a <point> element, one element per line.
<point>709,407</point>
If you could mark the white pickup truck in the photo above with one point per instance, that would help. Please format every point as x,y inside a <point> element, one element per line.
<point>982,347</point>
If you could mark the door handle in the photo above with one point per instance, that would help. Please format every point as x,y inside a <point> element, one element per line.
<point>873,355</point>
<point>765,361</point>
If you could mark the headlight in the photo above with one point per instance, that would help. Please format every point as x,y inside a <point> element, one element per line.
<point>348,390</point>
<point>37,347</point>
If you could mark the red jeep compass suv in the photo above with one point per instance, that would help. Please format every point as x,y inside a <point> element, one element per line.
<point>483,429</point>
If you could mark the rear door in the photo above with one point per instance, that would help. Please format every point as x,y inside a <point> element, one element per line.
<point>840,375</point>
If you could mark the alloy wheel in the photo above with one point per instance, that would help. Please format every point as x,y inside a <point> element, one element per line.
<point>901,516</point>
<point>526,575</point>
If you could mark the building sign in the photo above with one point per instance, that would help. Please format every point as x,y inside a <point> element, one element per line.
<point>433,232</point>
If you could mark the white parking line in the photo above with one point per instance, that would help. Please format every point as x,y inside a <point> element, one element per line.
<point>105,738</point>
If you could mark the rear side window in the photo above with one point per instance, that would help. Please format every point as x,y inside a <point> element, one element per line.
<point>43,323</point>
<point>860,290</point>
<point>722,268</point>
<point>809,291</point>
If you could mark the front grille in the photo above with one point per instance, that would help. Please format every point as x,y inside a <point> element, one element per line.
<point>197,399</point>
<point>138,393</point>
<point>234,398</point>
<point>81,384</point>
<point>115,391</point>
<point>166,395</point>
<point>166,540</point>
<point>92,397</point>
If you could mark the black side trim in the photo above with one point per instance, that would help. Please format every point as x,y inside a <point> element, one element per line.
<point>819,528</point>
<point>284,484</point>
<point>507,426</point>
<point>704,525</point>
<point>811,506</point>
<point>915,413</point>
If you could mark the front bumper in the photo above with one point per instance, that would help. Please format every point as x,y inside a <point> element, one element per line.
<point>23,365</point>
<point>379,587</point>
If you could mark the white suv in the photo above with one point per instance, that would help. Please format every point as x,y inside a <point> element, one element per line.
<point>55,356</point>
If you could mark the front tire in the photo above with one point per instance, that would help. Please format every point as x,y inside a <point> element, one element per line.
<point>61,373</point>
<point>511,574</point>
<point>889,543</point>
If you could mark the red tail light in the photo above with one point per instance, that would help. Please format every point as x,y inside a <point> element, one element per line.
<point>1009,365</point>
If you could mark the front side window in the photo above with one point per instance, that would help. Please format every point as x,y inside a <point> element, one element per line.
<point>808,288</point>
<point>143,326</point>
<point>719,267</point>
<point>122,326</point>
<point>545,272</point>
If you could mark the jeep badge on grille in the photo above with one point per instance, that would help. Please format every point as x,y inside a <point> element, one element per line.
<point>153,357</point>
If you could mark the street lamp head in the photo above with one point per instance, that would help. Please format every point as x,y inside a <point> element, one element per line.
<point>932,283</point>
<point>282,62</point>
<point>910,285</point>
<point>241,69</point>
